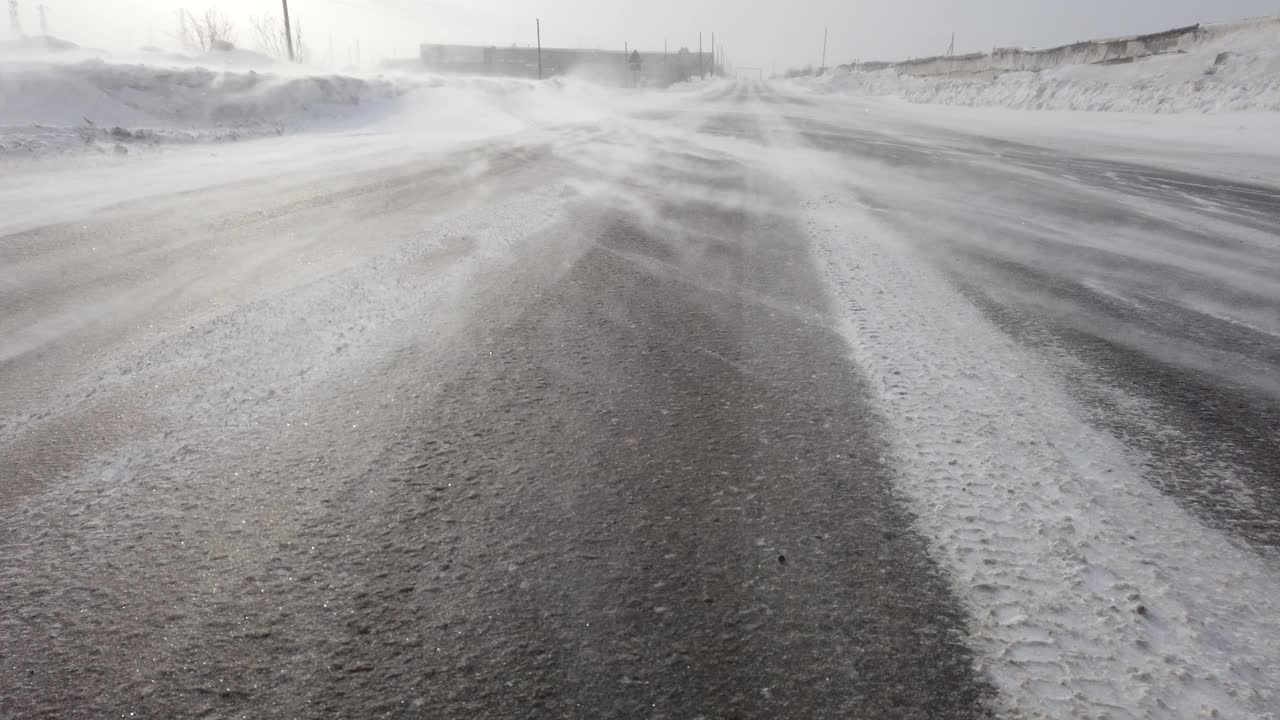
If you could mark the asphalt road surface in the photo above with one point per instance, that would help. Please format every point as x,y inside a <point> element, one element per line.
<point>565,424</point>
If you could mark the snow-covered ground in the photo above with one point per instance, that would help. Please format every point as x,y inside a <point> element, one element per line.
<point>69,99</point>
<point>45,105</point>
<point>1237,73</point>
<point>1091,593</point>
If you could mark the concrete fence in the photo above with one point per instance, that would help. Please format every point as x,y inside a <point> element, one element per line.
<point>986,66</point>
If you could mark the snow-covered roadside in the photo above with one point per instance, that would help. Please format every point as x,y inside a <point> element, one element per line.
<point>1239,73</point>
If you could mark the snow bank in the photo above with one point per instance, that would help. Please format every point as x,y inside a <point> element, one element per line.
<point>56,50</point>
<point>26,44</point>
<point>1091,594</point>
<point>1238,72</point>
<point>99,93</point>
<point>50,103</point>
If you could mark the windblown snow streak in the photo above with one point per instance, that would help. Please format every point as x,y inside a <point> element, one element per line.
<point>1091,593</point>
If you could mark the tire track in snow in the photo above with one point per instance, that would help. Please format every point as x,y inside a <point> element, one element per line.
<point>1091,593</point>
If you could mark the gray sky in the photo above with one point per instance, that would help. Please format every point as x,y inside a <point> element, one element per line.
<point>754,32</point>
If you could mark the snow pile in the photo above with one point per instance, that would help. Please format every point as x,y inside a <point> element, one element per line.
<point>1235,73</point>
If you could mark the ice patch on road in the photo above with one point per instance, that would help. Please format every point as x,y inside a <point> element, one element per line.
<point>1092,594</point>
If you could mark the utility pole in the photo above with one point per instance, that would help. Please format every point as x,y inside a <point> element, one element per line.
<point>713,54</point>
<point>44,22</point>
<point>330,49</point>
<point>823,69</point>
<point>951,49</point>
<point>539,28</point>
<point>15,21</point>
<point>288,31</point>
<point>702,74</point>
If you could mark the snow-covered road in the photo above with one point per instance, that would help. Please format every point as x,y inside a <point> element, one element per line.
<point>742,402</point>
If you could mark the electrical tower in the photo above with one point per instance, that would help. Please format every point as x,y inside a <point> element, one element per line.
<point>15,21</point>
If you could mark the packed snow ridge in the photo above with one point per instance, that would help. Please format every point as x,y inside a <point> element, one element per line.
<point>1239,72</point>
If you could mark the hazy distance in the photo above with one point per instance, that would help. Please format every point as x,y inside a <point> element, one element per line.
<point>753,32</point>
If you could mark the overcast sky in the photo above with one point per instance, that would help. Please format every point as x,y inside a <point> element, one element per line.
<point>767,33</point>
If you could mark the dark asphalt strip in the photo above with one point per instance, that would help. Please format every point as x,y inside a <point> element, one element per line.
<point>653,496</point>
<point>644,483</point>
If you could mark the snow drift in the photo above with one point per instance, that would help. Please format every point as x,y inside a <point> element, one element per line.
<point>51,103</point>
<point>1234,73</point>
<point>134,95</point>
<point>69,98</point>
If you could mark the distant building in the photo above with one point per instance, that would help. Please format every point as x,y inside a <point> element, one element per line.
<point>607,66</point>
